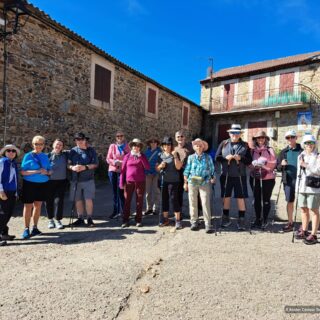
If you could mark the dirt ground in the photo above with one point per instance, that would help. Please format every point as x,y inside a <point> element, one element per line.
<point>150,273</point>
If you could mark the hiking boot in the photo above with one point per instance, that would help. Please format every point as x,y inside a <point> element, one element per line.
<point>26,234</point>
<point>59,224</point>
<point>301,234</point>
<point>164,223</point>
<point>78,222</point>
<point>138,224</point>
<point>256,224</point>
<point>178,225</point>
<point>148,212</point>
<point>90,222</point>
<point>35,232</point>
<point>125,225</point>
<point>208,228</point>
<point>194,226</point>
<point>51,224</point>
<point>241,224</point>
<point>3,243</point>
<point>7,237</point>
<point>311,239</point>
<point>288,227</point>
<point>264,225</point>
<point>225,221</point>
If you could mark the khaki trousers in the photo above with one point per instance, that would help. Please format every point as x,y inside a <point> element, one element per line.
<point>152,192</point>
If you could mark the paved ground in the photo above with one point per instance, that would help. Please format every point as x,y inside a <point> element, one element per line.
<point>151,273</point>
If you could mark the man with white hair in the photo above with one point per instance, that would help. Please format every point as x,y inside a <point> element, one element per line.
<point>287,164</point>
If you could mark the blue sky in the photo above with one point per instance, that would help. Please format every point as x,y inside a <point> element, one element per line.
<point>171,41</point>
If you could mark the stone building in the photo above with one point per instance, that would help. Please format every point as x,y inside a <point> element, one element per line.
<point>59,84</point>
<point>274,95</point>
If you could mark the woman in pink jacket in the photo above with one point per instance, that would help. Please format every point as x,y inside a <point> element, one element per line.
<point>262,172</point>
<point>115,156</point>
<point>133,179</point>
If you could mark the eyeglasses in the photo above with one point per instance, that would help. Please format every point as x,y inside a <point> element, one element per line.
<point>119,136</point>
<point>235,132</point>
<point>310,142</point>
<point>38,144</point>
<point>290,137</point>
<point>11,150</point>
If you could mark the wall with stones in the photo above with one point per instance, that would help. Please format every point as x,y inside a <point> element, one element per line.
<point>49,94</point>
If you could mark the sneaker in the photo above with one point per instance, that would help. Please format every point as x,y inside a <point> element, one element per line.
<point>59,225</point>
<point>114,215</point>
<point>264,224</point>
<point>138,224</point>
<point>26,234</point>
<point>7,237</point>
<point>311,239</point>
<point>178,225</point>
<point>288,227</point>
<point>194,226</point>
<point>51,224</point>
<point>301,234</point>
<point>148,212</point>
<point>225,221</point>
<point>125,225</point>
<point>78,222</point>
<point>3,243</point>
<point>256,224</point>
<point>164,223</point>
<point>35,232</point>
<point>241,224</point>
<point>90,222</point>
<point>208,228</point>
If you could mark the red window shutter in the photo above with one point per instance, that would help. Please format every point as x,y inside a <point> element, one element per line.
<point>185,117</point>
<point>259,88</point>
<point>228,95</point>
<point>286,81</point>
<point>152,95</point>
<point>102,84</point>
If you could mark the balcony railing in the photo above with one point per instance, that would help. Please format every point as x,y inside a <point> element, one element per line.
<point>295,95</point>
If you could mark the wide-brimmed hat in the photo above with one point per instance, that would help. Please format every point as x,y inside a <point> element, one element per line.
<point>290,133</point>
<point>308,138</point>
<point>9,146</point>
<point>153,140</point>
<point>235,128</point>
<point>259,134</point>
<point>167,141</point>
<point>80,135</point>
<point>136,142</point>
<point>200,142</point>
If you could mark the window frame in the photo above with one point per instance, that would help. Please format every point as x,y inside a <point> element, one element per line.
<point>156,89</point>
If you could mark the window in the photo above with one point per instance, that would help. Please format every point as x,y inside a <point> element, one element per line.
<point>185,115</point>
<point>102,81</point>
<point>152,93</point>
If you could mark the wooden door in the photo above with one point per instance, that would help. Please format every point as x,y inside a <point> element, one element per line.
<point>222,132</point>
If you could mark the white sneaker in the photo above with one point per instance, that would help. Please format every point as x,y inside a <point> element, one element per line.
<point>59,225</point>
<point>51,224</point>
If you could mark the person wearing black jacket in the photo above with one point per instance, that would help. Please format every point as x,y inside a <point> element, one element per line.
<point>234,155</point>
<point>287,164</point>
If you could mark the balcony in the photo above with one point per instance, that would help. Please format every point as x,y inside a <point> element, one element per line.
<point>297,96</point>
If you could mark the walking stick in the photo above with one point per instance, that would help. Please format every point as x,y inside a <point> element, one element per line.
<point>74,201</point>
<point>296,208</point>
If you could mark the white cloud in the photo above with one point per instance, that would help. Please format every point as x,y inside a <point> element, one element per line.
<point>134,7</point>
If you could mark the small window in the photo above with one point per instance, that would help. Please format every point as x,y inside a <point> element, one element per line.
<point>185,116</point>
<point>102,84</point>
<point>152,93</point>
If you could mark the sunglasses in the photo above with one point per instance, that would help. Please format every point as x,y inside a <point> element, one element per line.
<point>235,132</point>
<point>11,150</point>
<point>119,136</point>
<point>39,144</point>
<point>135,145</point>
<point>180,136</point>
<point>310,142</point>
<point>153,142</point>
<point>79,139</point>
<point>290,137</point>
<point>261,137</point>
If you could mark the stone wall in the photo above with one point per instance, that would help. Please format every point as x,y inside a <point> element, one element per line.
<point>49,93</point>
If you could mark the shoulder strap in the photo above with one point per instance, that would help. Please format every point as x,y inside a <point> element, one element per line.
<point>153,154</point>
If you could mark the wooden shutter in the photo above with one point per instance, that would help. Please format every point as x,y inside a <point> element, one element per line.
<point>102,84</point>
<point>259,88</point>
<point>228,96</point>
<point>286,82</point>
<point>152,96</point>
<point>185,116</point>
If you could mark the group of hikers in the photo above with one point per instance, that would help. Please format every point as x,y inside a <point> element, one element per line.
<point>159,176</point>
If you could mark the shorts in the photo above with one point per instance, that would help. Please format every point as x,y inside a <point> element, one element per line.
<point>85,190</point>
<point>233,184</point>
<point>34,191</point>
<point>309,200</point>
<point>289,191</point>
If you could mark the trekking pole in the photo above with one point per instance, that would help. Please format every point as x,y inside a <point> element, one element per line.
<point>296,208</point>
<point>224,196</point>
<point>74,201</point>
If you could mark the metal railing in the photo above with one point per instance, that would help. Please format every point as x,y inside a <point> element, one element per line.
<point>297,94</point>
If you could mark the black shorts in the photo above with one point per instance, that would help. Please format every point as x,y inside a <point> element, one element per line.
<point>289,191</point>
<point>33,191</point>
<point>234,184</point>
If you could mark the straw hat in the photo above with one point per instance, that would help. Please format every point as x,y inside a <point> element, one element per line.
<point>200,142</point>
<point>9,146</point>
<point>259,134</point>
<point>136,142</point>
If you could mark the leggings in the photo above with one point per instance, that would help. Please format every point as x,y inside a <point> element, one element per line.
<point>174,194</point>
